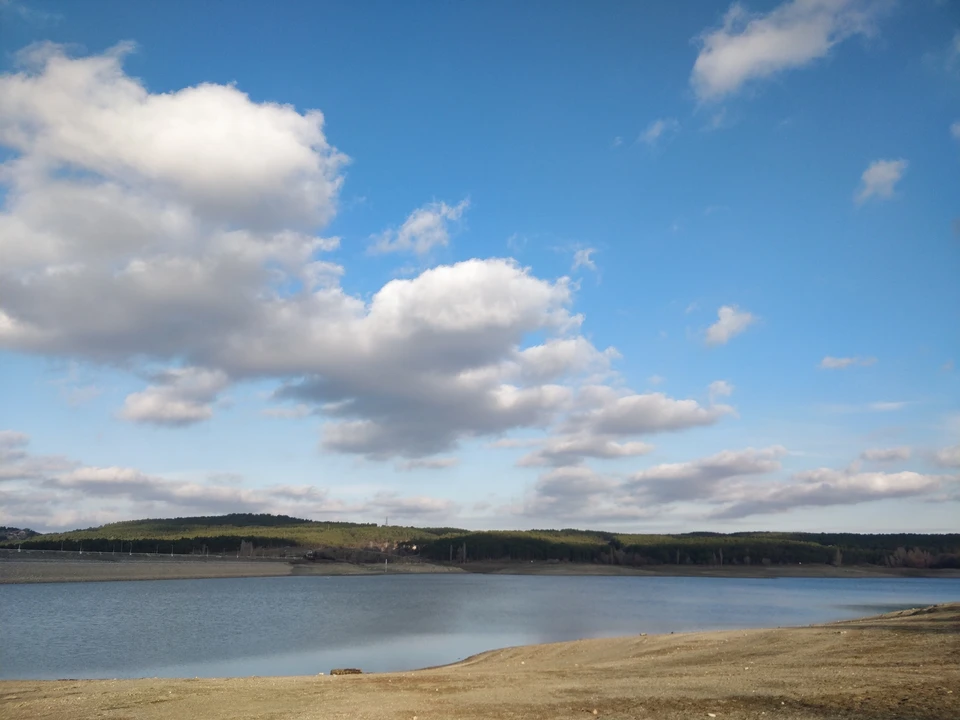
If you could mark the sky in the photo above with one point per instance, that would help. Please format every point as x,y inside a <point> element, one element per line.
<point>652,267</point>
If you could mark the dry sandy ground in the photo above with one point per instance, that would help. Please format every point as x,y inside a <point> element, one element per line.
<point>34,571</point>
<point>901,665</point>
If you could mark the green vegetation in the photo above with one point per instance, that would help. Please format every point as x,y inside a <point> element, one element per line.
<point>226,534</point>
<point>769,548</point>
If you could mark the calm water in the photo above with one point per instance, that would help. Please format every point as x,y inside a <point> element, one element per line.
<point>306,625</point>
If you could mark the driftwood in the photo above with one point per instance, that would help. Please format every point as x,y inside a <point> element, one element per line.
<point>346,671</point>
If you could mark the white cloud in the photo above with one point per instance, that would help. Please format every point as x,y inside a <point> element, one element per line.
<point>840,363</point>
<point>955,130</point>
<point>617,142</point>
<point>886,454</point>
<point>12,439</point>
<point>755,46</point>
<point>656,380</point>
<point>825,487</point>
<point>572,449</point>
<point>568,492</point>
<point>720,388</point>
<point>607,412</point>
<point>880,178</point>
<point>267,165</point>
<point>581,258</point>
<point>700,479</point>
<point>948,456</point>
<point>730,482</point>
<point>428,464</point>
<point>560,357</point>
<point>730,322</point>
<point>426,228</point>
<point>172,244</point>
<point>179,397</point>
<point>659,130</point>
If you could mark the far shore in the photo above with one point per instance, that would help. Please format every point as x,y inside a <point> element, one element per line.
<point>106,567</point>
<point>900,665</point>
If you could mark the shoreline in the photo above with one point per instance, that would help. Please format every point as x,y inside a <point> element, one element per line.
<point>111,569</point>
<point>901,664</point>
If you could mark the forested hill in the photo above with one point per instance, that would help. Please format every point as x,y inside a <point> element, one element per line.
<point>226,533</point>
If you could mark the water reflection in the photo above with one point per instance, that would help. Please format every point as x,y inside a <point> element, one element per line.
<point>304,625</point>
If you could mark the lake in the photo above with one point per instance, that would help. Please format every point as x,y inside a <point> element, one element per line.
<point>307,625</point>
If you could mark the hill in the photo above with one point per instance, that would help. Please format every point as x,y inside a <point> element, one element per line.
<point>228,533</point>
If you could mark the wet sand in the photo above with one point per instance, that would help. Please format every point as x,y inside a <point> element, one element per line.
<point>900,665</point>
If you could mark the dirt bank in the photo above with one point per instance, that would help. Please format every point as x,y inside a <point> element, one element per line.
<point>35,571</point>
<point>744,571</point>
<point>900,665</point>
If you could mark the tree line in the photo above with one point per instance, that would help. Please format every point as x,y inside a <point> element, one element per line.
<point>895,550</point>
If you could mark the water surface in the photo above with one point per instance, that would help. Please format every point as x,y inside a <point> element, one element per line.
<point>306,625</point>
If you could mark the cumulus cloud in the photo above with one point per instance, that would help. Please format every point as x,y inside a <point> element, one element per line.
<point>581,258</point>
<point>948,456</point>
<point>269,164</point>
<point>839,363</point>
<point>729,484</point>
<point>825,487</point>
<point>180,230</point>
<point>886,454</point>
<point>880,179</point>
<point>604,411</point>
<point>731,321</point>
<point>754,46</point>
<point>180,397</point>
<point>659,130</point>
<point>560,357</point>
<point>720,388</point>
<point>569,492</point>
<point>572,449</point>
<point>17,464</point>
<point>699,479</point>
<point>426,228</point>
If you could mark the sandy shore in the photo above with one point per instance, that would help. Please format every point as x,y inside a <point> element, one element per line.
<point>900,665</point>
<point>39,571</point>
<point>742,571</point>
<point>97,569</point>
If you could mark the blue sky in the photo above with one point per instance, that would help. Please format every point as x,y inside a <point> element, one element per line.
<point>633,266</point>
